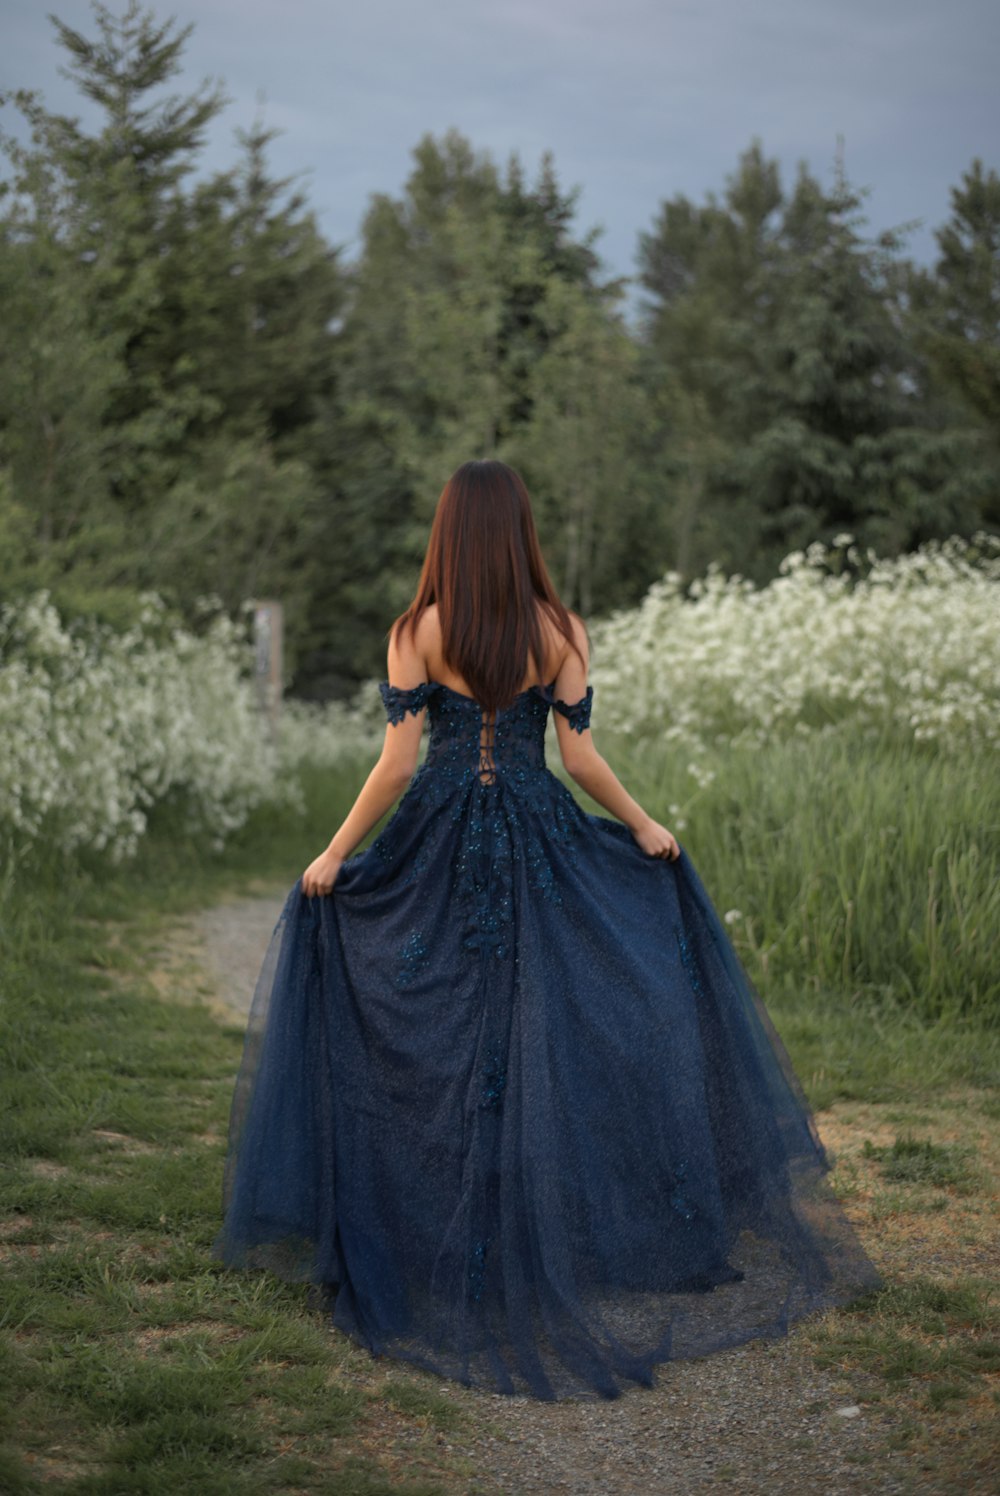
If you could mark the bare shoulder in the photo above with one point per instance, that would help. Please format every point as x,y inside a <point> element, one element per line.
<point>573,663</point>
<point>427,634</point>
<point>407,655</point>
<point>580,638</point>
<point>579,627</point>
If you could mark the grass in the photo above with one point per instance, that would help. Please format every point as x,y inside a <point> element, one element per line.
<point>923,1353</point>
<point>921,1161</point>
<point>130,1362</point>
<point>865,873</point>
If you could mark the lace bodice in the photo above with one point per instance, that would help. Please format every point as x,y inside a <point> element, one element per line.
<point>466,740</point>
<point>504,802</point>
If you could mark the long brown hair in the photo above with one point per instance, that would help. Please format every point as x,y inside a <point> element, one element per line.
<point>484,570</point>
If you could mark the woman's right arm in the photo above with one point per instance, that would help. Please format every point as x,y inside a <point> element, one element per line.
<point>590,770</point>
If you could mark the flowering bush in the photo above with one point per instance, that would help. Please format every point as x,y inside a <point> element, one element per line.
<point>325,735</point>
<point>97,726</point>
<point>911,644</point>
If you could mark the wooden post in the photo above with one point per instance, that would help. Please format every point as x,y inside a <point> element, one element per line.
<point>268,670</point>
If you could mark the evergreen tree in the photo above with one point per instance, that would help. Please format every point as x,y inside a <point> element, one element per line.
<point>966,339</point>
<point>166,419</point>
<point>847,446</point>
<point>708,314</point>
<point>57,376</point>
<point>252,311</point>
<point>122,183</point>
<point>954,325</point>
<point>777,334</point>
<point>252,300</point>
<point>585,449</point>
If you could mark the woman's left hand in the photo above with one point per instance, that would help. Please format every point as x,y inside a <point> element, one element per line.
<point>321,874</point>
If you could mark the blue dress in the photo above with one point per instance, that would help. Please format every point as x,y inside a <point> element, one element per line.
<point>509,1097</point>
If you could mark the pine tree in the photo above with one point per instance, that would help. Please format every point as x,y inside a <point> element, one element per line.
<point>967,339</point>
<point>846,446</point>
<point>786,378</point>
<point>585,450</point>
<point>708,314</point>
<point>954,324</point>
<point>167,415</point>
<point>57,377</point>
<point>123,182</point>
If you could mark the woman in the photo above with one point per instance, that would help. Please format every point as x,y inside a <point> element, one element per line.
<point>507,1092</point>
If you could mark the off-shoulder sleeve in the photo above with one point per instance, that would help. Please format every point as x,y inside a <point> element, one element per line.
<point>398,700</point>
<point>576,713</point>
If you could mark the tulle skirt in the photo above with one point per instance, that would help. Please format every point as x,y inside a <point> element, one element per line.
<point>510,1096</point>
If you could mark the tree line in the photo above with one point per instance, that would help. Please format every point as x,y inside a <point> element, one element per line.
<point>200,395</point>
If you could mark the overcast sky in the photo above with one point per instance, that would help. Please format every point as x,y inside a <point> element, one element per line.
<point>639,100</point>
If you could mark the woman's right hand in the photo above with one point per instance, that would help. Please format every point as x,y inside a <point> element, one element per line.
<point>656,840</point>
<point>321,874</point>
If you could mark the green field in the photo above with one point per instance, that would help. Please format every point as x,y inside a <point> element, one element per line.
<point>131,1363</point>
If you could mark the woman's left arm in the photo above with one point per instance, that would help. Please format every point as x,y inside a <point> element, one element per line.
<point>388,779</point>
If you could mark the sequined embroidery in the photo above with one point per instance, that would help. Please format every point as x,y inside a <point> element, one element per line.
<point>477,1267</point>
<point>399,700</point>
<point>450,776</point>
<point>578,713</point>
<point>689,962</point>
<point>495,1078</point>
<point>678,1199</point>
<point>414,959</point>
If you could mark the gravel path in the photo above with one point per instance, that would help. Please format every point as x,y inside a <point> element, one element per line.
<point>759,1418</point>
<point>755,1419</point>
<point>235,937</point>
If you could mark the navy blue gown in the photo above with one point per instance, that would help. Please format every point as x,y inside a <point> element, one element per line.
<point>509,1096</point>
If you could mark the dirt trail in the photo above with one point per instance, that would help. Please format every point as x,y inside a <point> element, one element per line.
<point>236,937</point>
<point>759,1418</point>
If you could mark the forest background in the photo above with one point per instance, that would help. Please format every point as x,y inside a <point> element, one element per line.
<point>201,396</point>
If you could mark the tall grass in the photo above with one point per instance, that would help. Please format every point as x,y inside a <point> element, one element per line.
<point>859,884</point>
<point>868,870</point>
